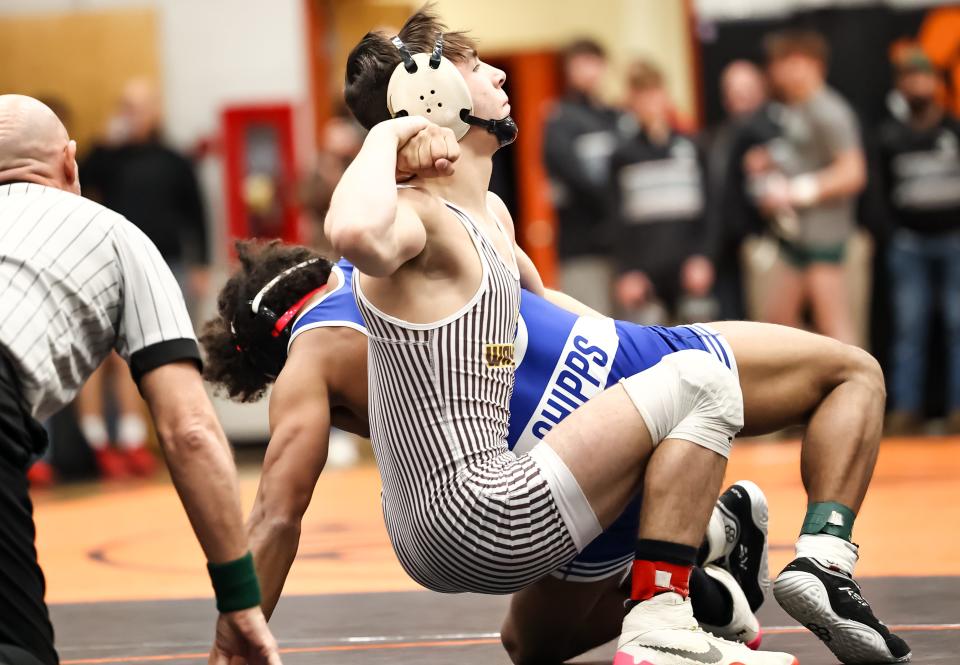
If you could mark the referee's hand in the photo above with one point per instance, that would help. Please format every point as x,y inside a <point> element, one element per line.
<point>244,635</point>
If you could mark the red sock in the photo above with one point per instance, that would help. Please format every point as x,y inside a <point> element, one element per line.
<point>654,577</point>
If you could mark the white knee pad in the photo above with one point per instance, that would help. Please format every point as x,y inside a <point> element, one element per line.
<point>689,395</point>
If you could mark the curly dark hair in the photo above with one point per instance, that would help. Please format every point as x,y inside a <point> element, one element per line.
<point>229,338</point>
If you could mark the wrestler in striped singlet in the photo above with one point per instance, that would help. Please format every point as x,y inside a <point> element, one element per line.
<point>462,511</point>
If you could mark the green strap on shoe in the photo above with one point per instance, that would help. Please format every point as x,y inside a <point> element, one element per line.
<point>235,584</point>
<point>829,517</point>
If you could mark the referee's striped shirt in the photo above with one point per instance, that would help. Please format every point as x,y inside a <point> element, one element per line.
<point>77,280</point>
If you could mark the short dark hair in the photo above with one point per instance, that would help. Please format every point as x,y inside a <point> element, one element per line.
<point>582,46</point>
<point>372,61</point>
<point>644,75</point>
<point>796,41</point>
<point>228,367</point>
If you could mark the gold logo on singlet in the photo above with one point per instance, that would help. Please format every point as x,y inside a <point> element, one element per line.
<point>498,355</point>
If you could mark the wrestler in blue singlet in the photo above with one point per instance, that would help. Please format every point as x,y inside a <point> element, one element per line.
<point>562,361</point>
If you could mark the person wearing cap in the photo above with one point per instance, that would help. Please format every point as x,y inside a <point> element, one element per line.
<point>918,155</point>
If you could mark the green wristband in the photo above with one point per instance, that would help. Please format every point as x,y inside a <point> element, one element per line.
<point>235,584</point>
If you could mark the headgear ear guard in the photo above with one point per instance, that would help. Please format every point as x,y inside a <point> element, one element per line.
<point>270,353</point>
<point>431,86</point>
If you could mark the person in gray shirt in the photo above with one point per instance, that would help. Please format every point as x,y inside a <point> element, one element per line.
<point>806,182</point>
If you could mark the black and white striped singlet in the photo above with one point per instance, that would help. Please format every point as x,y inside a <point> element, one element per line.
<point>463,512</point>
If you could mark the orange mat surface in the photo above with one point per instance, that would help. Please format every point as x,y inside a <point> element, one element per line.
<point>133,542</point>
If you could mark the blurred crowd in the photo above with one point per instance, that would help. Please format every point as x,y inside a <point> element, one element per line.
<point>758,217</point>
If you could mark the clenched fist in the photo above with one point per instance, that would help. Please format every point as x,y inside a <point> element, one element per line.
<point>423,148</point>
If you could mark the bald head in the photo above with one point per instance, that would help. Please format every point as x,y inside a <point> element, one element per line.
<point>744,88</point>
<point>34,145</point>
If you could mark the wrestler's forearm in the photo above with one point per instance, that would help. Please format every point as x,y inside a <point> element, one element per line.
<point>571,304</point>
<point>274,543</point>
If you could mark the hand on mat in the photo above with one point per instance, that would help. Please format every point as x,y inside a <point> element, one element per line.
<point>244,635</point>
<point>425,149</point>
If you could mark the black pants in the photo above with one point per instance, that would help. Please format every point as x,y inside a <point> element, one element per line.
<point>26,635</point>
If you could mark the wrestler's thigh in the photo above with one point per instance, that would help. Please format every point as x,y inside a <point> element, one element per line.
<point>784,372</point>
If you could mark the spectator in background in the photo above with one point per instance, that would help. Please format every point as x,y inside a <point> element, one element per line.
<point>659,203</point>
<point>729,219</point>
<point>134,173</point>
<point>580,135</point>
<point>919,168</point>
<point>340,142</point>
<point>810,177</point>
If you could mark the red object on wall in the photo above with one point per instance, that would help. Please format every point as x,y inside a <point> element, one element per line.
<point>696,60</point>
<point>533,85</point>
<point>260,173</point>
<point>319,40</point>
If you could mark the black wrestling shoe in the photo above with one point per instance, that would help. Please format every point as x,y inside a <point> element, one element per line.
<point>744,510</point>
<point>828,602</point>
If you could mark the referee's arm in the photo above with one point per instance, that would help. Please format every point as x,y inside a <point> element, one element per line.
<point>206,479</point>
<point>156,338</point>
<point>199,458</point>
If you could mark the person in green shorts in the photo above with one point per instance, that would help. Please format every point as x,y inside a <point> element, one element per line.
<point>819,166</point>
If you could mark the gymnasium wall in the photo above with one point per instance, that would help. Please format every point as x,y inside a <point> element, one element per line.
<point>206,53</point>
<point>78,60</point>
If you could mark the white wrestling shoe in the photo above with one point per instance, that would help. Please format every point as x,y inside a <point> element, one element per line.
<point>662,631</point>
<point>743,627</point>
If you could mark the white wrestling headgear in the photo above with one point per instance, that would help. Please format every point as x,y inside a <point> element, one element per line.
<point>431,86</point>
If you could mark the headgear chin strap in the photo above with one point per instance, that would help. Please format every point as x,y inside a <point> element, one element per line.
<point>431,86</point>
<point>505,129</point>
